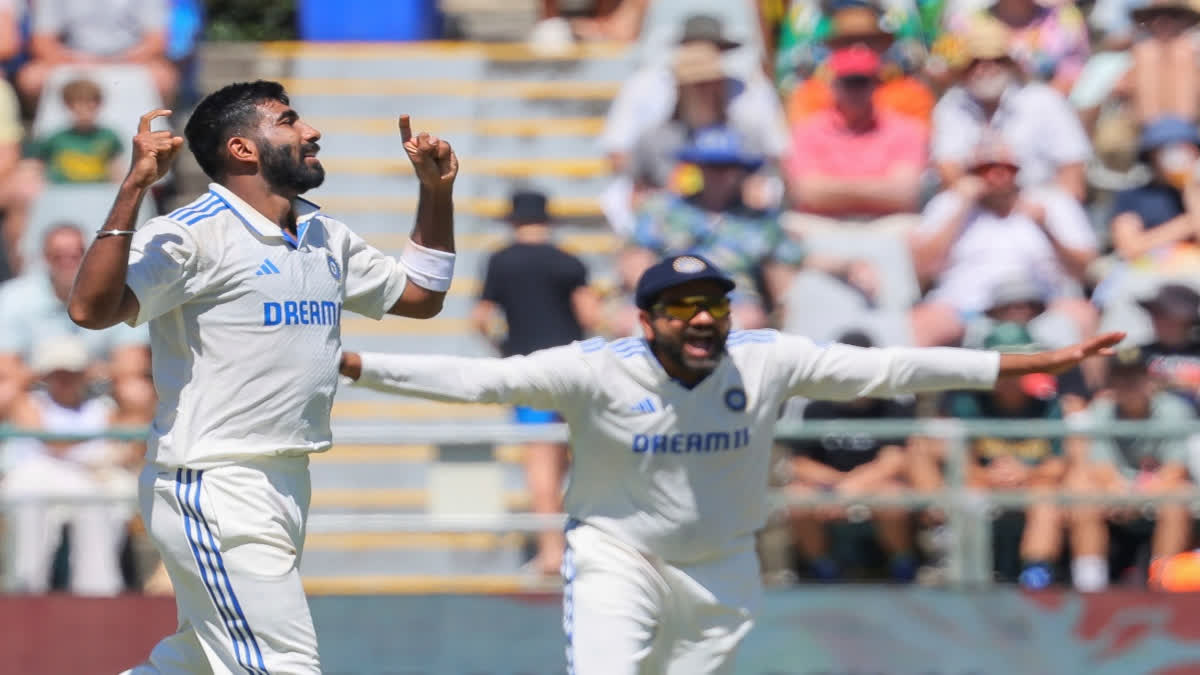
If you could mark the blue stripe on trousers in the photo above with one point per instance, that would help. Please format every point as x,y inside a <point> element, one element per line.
<point>568,621</point>
<point>237,606</point>
<point>184,493</point>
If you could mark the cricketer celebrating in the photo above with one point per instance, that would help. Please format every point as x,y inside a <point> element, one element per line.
<point>244,290</point>
<point>671,437</point>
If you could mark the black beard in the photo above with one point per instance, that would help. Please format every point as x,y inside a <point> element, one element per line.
<point>672,349</point>
<point>286,172</point>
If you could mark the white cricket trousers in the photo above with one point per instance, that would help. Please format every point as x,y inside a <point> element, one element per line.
<point>231,540</point>
<point>97,529</point>
<point>627,613</point>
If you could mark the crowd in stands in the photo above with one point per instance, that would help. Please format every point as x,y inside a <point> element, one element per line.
<point>1002,174</point>
<point>77,73</point>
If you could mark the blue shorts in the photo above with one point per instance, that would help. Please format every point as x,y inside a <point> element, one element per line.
<point>523,415</point>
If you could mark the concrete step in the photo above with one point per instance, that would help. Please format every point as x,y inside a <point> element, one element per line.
<point>454,100</point>
<point>337,571</point>
<point>438,581</point>
<point>393,499</point>
<point>385,208</point>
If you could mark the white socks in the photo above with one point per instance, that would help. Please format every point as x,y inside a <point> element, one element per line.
<point>1090,573</point>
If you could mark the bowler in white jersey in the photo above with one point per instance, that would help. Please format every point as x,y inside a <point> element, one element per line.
<point>244,291</point>
<point>671,437</point>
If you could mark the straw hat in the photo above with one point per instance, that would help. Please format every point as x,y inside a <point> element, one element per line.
<point>987,39</point>
<point>697,62</point>
<point>856,22</point>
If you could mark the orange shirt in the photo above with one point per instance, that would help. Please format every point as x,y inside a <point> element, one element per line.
<point>902,94</point>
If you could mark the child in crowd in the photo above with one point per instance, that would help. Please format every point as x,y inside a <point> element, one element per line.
<point>84,152</point>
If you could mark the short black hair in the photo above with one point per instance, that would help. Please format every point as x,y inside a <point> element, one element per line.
<point>227,112</point>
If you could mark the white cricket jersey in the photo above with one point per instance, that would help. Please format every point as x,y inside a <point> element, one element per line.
<point>680,473</point>
<point>245,325</point>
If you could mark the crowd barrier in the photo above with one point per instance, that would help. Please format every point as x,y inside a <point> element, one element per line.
<point>968,512</point>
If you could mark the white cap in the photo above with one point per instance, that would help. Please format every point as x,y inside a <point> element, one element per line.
<point>65,352</point>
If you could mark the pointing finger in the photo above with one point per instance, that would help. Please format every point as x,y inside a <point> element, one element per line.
<point>144,122</point>
<point>405,129</point>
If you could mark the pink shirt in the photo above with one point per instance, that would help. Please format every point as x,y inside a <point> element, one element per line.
<point>823,146</point>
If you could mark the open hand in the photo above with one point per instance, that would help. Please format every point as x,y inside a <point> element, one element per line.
<point>432,158</point>
<point>153,152</point>
<point>1059,360</point>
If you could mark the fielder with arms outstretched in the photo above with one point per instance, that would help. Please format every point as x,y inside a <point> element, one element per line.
<point>671,437</point>
<point>244,290</point>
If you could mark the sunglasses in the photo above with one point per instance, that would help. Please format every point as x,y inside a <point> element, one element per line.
<point>686,309</point>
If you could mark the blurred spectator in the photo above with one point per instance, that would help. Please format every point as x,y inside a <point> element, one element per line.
<point>41,470</point>
<point>861,23</point>
<point>85,32</point>
<point>853,464</point>
<point>545,299</point>
<point>84,152</point>
<point>1174,355</point>
<point>1129,466</point>
<point>1035,463</point>
<point>1049,41</point>
<point>717,221</point>
<point>986,231</point>
<point>663,104</point>
<point>855,159</point>
<point>1040,127</point>
<point>17,188</point>
<point>12,14</point>
<point>619,20</point>
<point>803,45</point>
<point>1152,226</point>
<point>1165,78</point>
<point>33,308</point>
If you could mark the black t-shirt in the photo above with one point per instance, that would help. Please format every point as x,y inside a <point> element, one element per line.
<point>850,449</point>
<point>533,284</point>
<point>1155,203</point>
<point>979,405</point>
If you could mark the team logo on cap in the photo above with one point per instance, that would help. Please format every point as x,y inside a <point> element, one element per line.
<point>688,265</point>
<point>334,270</point>
<point>735,399</point>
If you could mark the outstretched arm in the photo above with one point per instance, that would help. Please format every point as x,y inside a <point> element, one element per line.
<point>546,379</point>
<point>841,372</point>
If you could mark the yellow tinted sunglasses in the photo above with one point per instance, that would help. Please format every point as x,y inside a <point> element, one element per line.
<point>685,309</point>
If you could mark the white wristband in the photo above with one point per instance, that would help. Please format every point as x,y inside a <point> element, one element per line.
<point>428,268</point>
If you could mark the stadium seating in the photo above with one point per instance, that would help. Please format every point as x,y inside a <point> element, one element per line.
<point>514,121</point>
<point>86,206</point>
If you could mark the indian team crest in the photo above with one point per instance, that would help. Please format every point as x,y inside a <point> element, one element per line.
<point>334,270</point>
<point>687,264</point>
<point>735,399</point>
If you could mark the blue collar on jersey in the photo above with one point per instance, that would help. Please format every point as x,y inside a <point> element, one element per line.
<point>305,212</point>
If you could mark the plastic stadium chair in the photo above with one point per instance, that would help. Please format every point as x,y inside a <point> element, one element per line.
<point>85,206</point>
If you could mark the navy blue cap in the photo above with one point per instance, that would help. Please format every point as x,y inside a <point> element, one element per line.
<point>1167,131</point>
<point>673,271</point>
<point>719,145</point>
